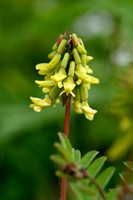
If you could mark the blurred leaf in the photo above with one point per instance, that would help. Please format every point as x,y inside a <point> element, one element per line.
<point>65,142</point>
<point>76,155</point>
<point>62,150</point>
<point>105,177</point>
<point>96,166</point>
<point>58,159</point>
<point>87,158</point>
<point>86,189</point>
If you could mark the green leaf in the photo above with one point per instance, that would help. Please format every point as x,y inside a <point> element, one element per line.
<point>96,166</point>
<point>104,177</point>
<point>58,159</point>
<point>85,188</point>
<point>79,195</point>
<point>112,195</point>
<point>65,142</point>
<point>87,159</point>
<point>62,150</point>
<point>76,155</point>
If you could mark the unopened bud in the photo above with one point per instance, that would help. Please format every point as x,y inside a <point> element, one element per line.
<point>81,42</point>
<point>54,46</point>
<point>83,60</point>
<point>71,69</point>
<point>54,92</point>
<point>61,46</point>
<point>75,39</point>
<point>52,64</point>
<point>81,49</point>
<point>65,60</point>
<point>83,92</point>
<point>52,54</point>
<point>60,38</point>
<point>76,56</point>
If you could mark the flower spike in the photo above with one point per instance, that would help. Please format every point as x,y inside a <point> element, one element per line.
<point>66,73</point>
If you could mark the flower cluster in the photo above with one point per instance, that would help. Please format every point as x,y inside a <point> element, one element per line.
<point>66,74</point>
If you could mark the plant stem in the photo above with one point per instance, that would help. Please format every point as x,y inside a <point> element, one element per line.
<point>66,132</point>
<point>97,185</point>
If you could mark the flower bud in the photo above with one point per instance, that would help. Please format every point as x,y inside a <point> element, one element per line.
<point>60,38</point>
<point>83,60</point>
<point>75,39</point>
<point>76,56</point>
<point>71,69</point>
<point>83,92</point>
<point>54,46</point>
<point>65,60</point>
<point>81,42</point>
<point>61,46</point>
<point>54,92</point>
<point>52,54</point>
<point>76,102</point>
<point>81,49</point>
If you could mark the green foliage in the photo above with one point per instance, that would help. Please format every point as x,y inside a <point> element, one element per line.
<point>77,169</point>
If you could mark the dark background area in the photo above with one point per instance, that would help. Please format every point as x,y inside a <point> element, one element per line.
<point>28,30</point>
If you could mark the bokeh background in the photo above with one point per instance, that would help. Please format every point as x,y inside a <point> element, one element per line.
<point>28,30</point>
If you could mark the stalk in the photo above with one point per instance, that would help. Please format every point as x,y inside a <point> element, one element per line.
<point>66,132</point>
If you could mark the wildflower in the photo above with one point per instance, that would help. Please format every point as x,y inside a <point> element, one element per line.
<point>39,104</point>
<point>66,73</point>
<point>69,85</point>
<point>58,77</point>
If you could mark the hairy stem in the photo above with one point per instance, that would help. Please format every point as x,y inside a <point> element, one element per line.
<point>98,186</point>
<point>66,132</point>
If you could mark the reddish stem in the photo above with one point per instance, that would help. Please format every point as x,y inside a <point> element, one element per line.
<point>66,132</point>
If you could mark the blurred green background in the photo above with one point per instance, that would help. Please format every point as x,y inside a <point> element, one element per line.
<point>28,30</point>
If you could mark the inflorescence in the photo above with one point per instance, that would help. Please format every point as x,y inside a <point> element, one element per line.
<point>66,73</point>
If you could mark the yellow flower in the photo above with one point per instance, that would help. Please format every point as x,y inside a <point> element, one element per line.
<point>81,72</point>
<point>91,79</point>
<point>58,77</point>
<point>43,69</point>
<point>88,70</point>
<point>47,83</point>
<point>88,112</point>
<point>69,85</point>
<point>39,104</point>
